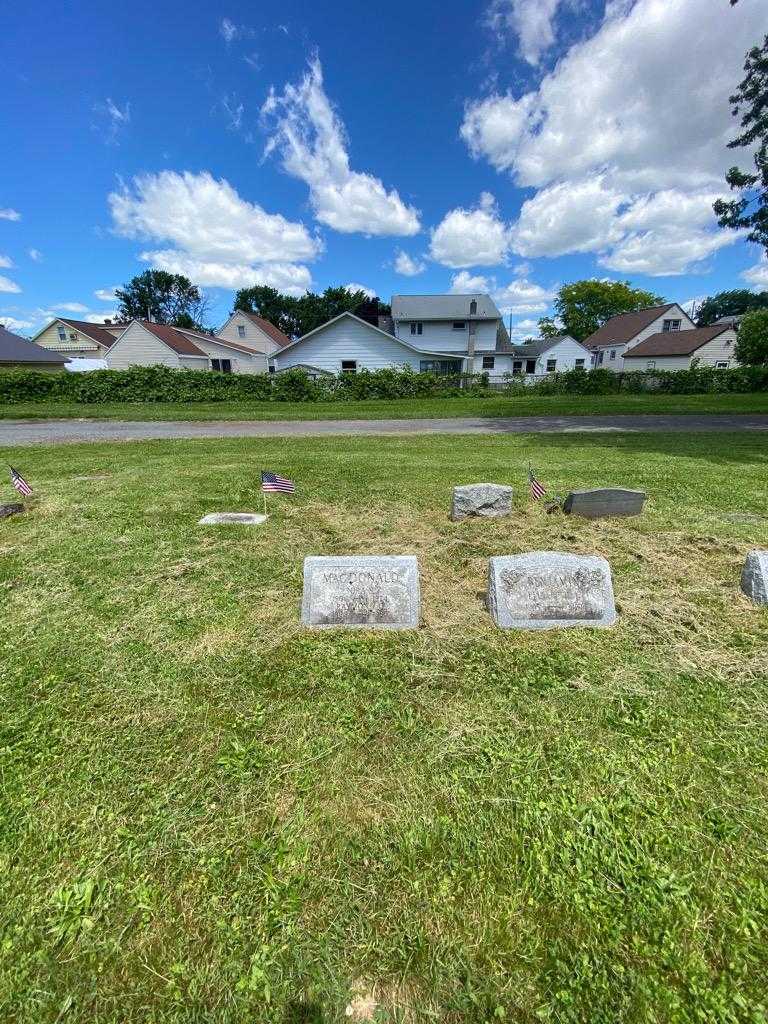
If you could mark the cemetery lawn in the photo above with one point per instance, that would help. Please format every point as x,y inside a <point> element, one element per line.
<point>402,408</point>
<point>211,815</point>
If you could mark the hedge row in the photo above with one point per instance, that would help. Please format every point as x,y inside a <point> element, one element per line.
<point>160,384</point>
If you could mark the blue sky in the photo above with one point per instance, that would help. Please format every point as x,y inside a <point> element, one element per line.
<point>506,146</point>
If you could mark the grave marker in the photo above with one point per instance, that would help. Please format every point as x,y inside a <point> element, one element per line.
<point>237,518</point>
<point>604,502</point>
<point>754,576</point>
<point>361,592</point>
<point>487,500</point>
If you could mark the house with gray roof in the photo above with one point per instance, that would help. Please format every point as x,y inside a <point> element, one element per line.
<point>19,353</point>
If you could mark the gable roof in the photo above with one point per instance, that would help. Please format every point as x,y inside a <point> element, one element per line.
<point>93,331</point>
<point>371,327</point>
<point>280,339</point>
<point>173,337</point>
<point>443,307</point>
<point>626,326</point>
<point>676,343</point>
<point>14,349</point>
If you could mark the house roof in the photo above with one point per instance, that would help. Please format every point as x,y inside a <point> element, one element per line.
<point>269,329</point>
<point>676,343</point>
<point>176,339</point>
<point>370,326</point>
<point>625,326</point>
<point>443,307</point>
<point>14,349</point>
<point>94,331</point>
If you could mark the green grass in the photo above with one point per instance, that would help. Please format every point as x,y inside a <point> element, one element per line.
<point>404,408</point>
<point>211,815</point>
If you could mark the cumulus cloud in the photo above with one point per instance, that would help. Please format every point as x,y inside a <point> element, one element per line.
<point>757,276</point>
<point>35,255</point>
<point>311,140</point>
<point>465,283</point>
<point>471,238</point>
<point>6,262</point>
<point>7,285</point>
<point>518,296</point>
<point>649,126</point>
<point>9,214</point>
<point>70,307</point>
<point>226,240</point>
<point>530,22</point>
<point>523,329</point>
<point>353,286</point>
<point>12,324</point>
<point>107,294</point>
<point>99,318</point>
<point>408,266</point>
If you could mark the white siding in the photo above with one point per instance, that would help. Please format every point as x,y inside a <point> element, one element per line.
<point>720,349</point>
<point>348,339</point>
<point>138,347</point>
<point>656,327</point>
<point>241,361</point>
<point>254,336</point>
<point>439,335</point>
<point>565,353</point>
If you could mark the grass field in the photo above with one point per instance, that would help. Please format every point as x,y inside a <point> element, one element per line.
<point>210,815</point>
<point>404,408</point>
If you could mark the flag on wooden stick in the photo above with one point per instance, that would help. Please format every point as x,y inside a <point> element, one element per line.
<point>538,490</point>
<point>20,483</point>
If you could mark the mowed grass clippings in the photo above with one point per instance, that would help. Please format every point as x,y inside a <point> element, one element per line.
<point>210,814</point>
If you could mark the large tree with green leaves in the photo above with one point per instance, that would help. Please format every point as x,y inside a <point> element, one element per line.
<point>752,341</point>
<point>164,298</point>
<point>583,306</point>
<point>730,303</point>
<point>297,316</point>
<point>750,104</point>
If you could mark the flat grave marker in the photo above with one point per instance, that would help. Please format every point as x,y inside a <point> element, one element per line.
<point>605,502</point>
<point>361,592</point>
<point>233,518</point>
<point>754,576</point>
<point>485,500</point>
<point>550,590</point>
<point>14,508</point>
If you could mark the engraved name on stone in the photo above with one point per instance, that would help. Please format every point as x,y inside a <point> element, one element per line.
<point>367,591</point>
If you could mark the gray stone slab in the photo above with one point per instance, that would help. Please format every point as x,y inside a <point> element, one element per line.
<point>489,500</point>
<point>12,509</point>
<point>754,576</point>
<point>550,590</point>
<point>604,502</point>
<point>236,518</point>
<point>361,592</point>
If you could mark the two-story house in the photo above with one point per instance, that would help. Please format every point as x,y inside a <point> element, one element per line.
<point>621,333</point>
<point>77,339</point>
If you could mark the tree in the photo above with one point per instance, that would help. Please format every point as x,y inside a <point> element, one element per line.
<point>732,303</point>
<point>548,328</point>
<point>752,340</point>
<point>164,298</point>
<point>297,316</point>
<point>750,210</point>
<point>583,306</point>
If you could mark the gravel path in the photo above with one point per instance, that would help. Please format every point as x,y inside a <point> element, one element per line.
<point>23,432</point>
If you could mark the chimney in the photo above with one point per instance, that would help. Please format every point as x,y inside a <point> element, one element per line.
<point>107,323</point>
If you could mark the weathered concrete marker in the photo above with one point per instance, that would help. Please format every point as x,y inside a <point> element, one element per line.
<point>488,500</point>
<point>604,502</point>
<point>361,592</point>
<point>550,590</point>
<point>754,576</point>
<point>236,518</point>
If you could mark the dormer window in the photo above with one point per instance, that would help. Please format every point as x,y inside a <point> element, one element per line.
<point>671,325</point>
<point>241,330</point>
<point>62,334</point>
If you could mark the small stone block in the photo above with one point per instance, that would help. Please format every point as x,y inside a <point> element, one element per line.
<point>488,500</point>
<point>361,592</point>
<point>604,502</point>
<point>12,509</point>
<point>550,590</point>
<point>228,518</point>
<point>754,576</point>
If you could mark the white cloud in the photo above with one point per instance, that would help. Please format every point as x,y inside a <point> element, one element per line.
<point>312,143</point>
<point>71,307</point>
<point>99,318</point>
<point>665,252</point>
<point>757,276</point>
<point>35,255</point>
<point>465,283</point>
<point>6,262</point>
<point>530,21</point>
<point>289,278</point>
<point>106,294</point>
<point>523,329</point>
<point>12,324</point>
<point>228,30</point>
<point>233,112</point>
<point>9,214</point>
<point>408,266</point>
<point>115,118</point>
<point>353,286</point>
<point>6,285</point>
<point>471,238</point>
<point>577,216</point>
<point>220,238</point>
<point>519,296</point>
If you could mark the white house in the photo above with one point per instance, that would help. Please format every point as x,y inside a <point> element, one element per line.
<point>705,346</point>
<point>143,343</point>
<point>547,355</point>
<point>622,333</point>
<point>253,331</point>
<point>465,328</point>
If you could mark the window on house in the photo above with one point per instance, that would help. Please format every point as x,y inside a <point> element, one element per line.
<point>271,368</point>
<point>416,327</point>
<point>241,330</point>
<point>530,366</point>
<point>459,325</point>
<point>551,365</point>
<point>579,364</point>
<point>671,325</point>
<point>650,364</point>
<point>62,334</point>
<point>221,365</point>
<point>440,366</point>
<point>489,362</point>
<point>73,336</point>
<point>517,366</point>
<point>613,353</point>
<point>722,364</point>
<point>349,366</point>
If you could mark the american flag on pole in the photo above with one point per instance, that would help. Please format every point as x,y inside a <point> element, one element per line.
<point>538,490</point>
<point>273,482</point>
<point>20,483</point>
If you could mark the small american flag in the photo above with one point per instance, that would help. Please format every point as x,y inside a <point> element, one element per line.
<point>538,490</point>
<point>20,483</point>
<point>273,482</point>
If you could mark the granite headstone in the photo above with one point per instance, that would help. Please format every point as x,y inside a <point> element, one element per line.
<point>488,500</point>
<point>550,590</point>
<point>604,502</point>
<point>361,592</point>
<point>754,576</point>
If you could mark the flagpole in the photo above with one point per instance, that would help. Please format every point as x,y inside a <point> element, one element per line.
<point>264,496</point>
